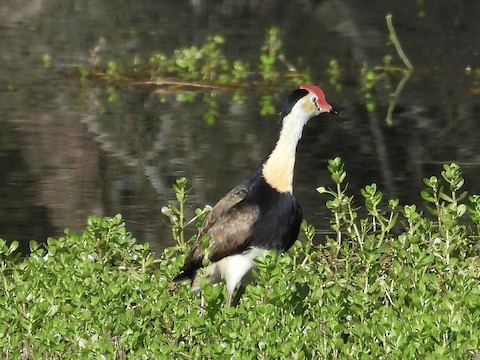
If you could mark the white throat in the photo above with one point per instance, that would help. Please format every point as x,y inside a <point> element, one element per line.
<point>278,169</point>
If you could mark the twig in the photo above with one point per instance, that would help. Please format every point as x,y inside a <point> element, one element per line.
<point>396,43</point>
<point>170,84</point>
<point>407,72</point>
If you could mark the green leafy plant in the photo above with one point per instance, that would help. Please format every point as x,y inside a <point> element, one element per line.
<point>411,278</point>
<point>197,67</point>
<point>393,282</point>
<point>176,213</point>
<point>204,70</point>
<point>269,56</point>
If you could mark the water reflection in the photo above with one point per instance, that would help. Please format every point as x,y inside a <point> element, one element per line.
<point>69,149</point>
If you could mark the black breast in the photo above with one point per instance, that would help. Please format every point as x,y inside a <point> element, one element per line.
<point>279,220</point>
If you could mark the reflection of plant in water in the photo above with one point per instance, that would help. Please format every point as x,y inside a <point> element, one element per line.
<point>212,108</point>
<point>201,67</point>
<point>335,73</point>
<point>266,105</point>
<point>370,76</point>
<point>207,67</point>
<point>368,82</point>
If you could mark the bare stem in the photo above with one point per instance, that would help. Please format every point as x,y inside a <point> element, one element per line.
<point>396,43</point>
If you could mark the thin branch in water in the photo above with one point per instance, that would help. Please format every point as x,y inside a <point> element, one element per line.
<point>396,43</point>
<point>407,71</point>
<point>173,86</point>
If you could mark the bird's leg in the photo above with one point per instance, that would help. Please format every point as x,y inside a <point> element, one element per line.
<point>229,299</point>
<point>238,295</point>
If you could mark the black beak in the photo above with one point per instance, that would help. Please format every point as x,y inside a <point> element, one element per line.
<point>333,111</point>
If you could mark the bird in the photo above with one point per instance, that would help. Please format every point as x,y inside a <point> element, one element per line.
<point>261,213</point>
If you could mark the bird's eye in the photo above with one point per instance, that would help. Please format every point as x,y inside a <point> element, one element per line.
<point>314,99</point>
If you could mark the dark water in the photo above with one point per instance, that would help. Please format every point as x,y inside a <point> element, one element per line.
<point>69,148</point>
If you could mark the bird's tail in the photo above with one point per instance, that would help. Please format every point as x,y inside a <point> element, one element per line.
<point>183,276</point>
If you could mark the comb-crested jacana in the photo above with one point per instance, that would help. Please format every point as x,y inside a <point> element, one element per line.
<point>261,213</point>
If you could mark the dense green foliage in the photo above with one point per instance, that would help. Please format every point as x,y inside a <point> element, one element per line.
<point>393,283</point>
<point>208,67</point>
<point>196,66</point>
<point>202,67</point>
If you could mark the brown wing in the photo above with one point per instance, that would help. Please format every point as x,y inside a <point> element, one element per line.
<point>229,234</point>
<point>229,225</point>
<point>232,198</point>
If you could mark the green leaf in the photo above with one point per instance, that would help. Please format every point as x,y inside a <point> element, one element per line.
<point>321,189</point>
<point>114,288</point>
<point>13,246</point>
<point>461,209</point>
<point>86,314</point>
<point>426,196</point>
<point>33,245</point>
<point>445,197</point>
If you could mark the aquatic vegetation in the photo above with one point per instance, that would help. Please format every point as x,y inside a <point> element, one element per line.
<point>370,77</point>
<point>335,73</point>
<point>392,280</point>
<point>199,69</point>
<point>203,66</point>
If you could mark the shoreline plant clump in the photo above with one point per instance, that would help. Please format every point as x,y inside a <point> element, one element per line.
<point>203,70</point>
<point>200,71</point>
<point>199,66</point>
<point>400,282</point>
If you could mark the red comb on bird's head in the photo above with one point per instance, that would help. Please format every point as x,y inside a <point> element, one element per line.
<point>320,95</point>
<point>316,90</point>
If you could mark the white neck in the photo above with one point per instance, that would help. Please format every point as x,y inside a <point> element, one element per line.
<point>278,169</point>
